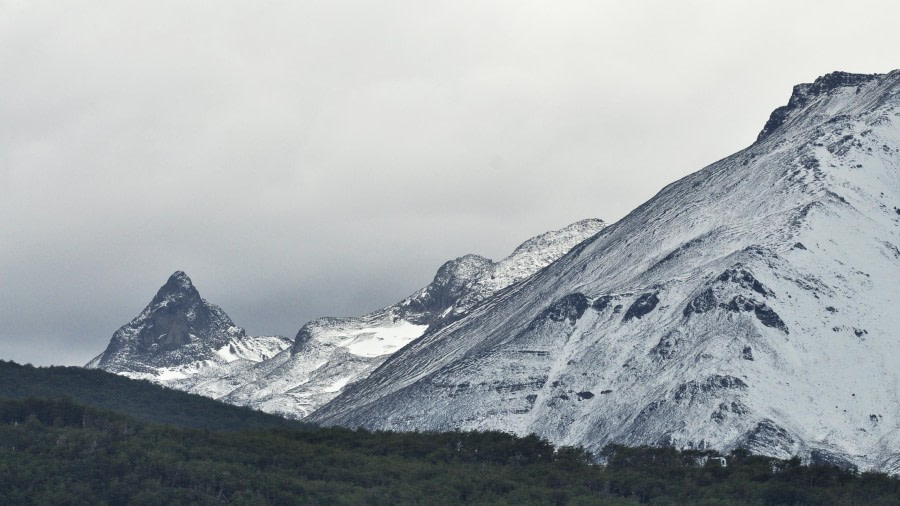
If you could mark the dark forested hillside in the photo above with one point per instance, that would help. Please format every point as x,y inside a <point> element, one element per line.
<point>139,399</point>
<point>59,452</point>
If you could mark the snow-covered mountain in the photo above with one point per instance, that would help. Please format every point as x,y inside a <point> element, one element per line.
<point>180,335</point>
<point>330,353</point>
<point>753,303</point>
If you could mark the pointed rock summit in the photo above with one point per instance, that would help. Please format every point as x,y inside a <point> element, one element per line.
<point>179,333</point>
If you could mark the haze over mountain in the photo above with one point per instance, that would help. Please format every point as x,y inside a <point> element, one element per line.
<point>752,303</point>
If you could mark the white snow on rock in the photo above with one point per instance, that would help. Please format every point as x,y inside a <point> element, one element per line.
<point>330,353</point>
<point>377,341</point>
<point>753,303</point>
<point>180,336</point>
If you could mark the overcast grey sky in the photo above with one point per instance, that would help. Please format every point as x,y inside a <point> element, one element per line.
<point>302,159</point>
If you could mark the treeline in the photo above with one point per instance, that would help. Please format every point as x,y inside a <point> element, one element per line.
<point>141,400</point>
<point>61,452</point>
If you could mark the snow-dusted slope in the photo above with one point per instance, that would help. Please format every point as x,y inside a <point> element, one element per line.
<point>180,335</point>
<point>752,303</point>
<point>330,353</point>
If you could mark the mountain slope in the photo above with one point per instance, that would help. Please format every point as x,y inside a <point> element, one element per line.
<point>330,353</point>
<point>179,335</point>
<point>752,303</point>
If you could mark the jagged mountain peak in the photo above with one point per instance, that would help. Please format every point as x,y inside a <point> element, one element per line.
<point>462,283</point>
<point>464,268</point>
<point>177,289</point>
<point>178,281</point>
<point>805,93</point>
<point>177,333</point>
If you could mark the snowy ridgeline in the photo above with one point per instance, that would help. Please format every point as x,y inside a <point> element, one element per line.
<point>752,303</point>
<point>294,378</point>
<point>749,304</point>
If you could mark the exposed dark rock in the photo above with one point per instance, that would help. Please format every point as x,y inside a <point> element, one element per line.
<point>766,315</point>
<point>536,383</point>
<point>740,303</point>
<point>843,146</point>
<point>823,457</point>
<point>805,93</point>
<point>643,305</point>
<point>738,408</point>
<point>571,307</point>
<point>766,435</point>
<point>725,409</point>
<point>604,392</point>
<point>799,245</point>
<point>666,346</point>
<point>747,353</point>
<point>809,162</point>
<point>452,281</point>
<point>648,411</point>
<point>860,332</point>
<point>701,303</point>
<point>711,384</point>
<point>176,327</point>
<point>831,309</point>
<point>746,280</point>
<point>601,302</point>
<point>585,395</point>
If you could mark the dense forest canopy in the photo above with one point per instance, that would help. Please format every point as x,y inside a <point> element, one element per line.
<point>57,450</point>
<point>139,399</point>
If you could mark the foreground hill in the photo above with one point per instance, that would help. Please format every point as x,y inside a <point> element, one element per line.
<point>139,399</point>
<point>58,452</point>
<point>751,304</point>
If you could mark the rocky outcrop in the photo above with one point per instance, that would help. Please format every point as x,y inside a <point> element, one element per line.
<point>179,334</point>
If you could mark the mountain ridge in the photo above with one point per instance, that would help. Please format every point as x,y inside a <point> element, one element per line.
<point>330,353</point>
<point>292,378</point>
<point>699,319</point>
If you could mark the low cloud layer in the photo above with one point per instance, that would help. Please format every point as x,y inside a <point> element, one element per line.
<point>302,159</point>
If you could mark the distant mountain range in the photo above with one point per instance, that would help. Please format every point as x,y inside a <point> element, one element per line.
<point>750,304</point>
<point>182,341</point>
